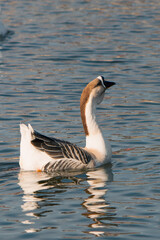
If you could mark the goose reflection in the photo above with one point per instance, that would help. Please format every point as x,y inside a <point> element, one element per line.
<point>35,186</point>
<point>36,194</point>
<point>97,181</point>
<point>33,182</point>
<point>96,204</point>
<point>30,183</point>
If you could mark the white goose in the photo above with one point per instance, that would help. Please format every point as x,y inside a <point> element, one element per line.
<point>41,153</point>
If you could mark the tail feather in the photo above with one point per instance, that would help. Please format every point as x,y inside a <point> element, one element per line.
<point>26,131</point>
<point>31,129</point>
<point>31,158</point>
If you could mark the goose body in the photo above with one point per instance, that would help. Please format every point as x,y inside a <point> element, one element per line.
<point>42,153</point>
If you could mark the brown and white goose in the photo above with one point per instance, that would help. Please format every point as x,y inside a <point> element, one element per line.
<point>41,153</point>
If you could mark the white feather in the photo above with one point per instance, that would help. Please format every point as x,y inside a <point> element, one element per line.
<point>31,159</point>
<point>94,141</point>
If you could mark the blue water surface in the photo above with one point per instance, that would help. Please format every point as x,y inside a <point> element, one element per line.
<point>53,49</point>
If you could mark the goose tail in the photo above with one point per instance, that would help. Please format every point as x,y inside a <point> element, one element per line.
<point>26,132</point>
<point>26,138</point>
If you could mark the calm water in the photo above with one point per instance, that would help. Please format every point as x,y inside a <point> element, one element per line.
<point>57,47</point>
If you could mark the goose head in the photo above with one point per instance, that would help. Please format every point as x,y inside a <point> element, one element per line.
<point>95,90</point>
<point>92,95</point>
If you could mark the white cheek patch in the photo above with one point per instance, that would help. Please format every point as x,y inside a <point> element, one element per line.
<point>101,79</point>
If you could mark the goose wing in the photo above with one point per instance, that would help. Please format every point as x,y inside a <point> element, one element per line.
<point>59,149</point>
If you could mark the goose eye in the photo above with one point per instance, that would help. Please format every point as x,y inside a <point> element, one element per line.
<point>98,84</point>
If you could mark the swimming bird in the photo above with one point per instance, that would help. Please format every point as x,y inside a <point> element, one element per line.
<point>41,153</point>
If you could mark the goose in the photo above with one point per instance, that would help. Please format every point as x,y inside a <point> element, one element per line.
<point>48,154</point>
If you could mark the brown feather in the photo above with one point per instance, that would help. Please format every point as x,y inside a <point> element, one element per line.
<point>84,99</point>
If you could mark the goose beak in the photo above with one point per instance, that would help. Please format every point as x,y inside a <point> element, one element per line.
<point>108,84</point>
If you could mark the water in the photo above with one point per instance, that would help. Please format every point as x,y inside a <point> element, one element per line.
<point>57,47</point>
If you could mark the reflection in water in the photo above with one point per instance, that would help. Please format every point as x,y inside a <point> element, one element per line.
<point>29,182</point>
<point>35,184</point>
<point>96,204</point>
